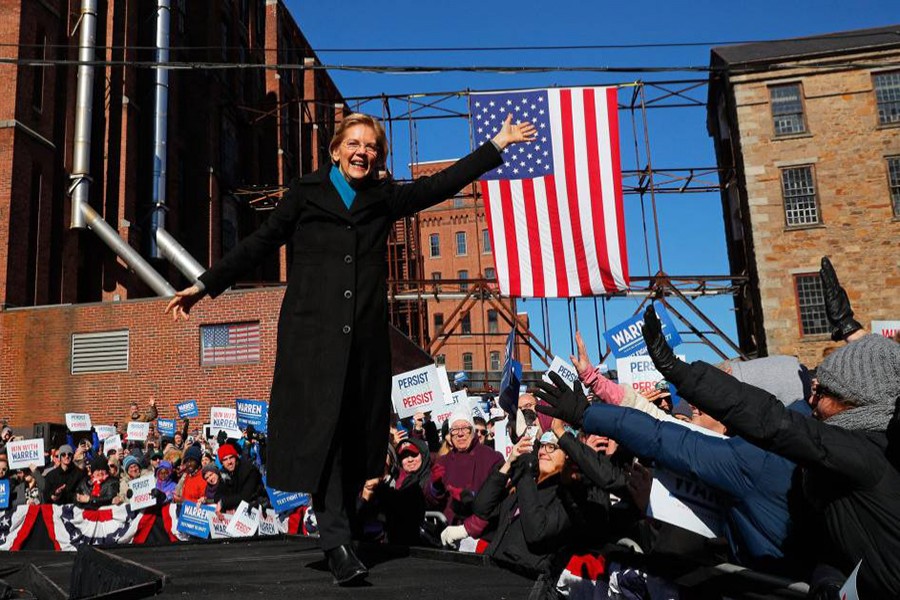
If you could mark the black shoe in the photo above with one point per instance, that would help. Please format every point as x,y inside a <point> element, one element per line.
<point>345,566</point>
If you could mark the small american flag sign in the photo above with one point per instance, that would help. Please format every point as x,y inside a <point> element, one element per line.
<point>229,343</point>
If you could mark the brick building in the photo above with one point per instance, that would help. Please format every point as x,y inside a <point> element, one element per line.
<point>808,133</point>
<point>229,130</point>
<point>456,247</point>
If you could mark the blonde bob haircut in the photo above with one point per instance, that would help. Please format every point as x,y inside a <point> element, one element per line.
<point>354,119</point>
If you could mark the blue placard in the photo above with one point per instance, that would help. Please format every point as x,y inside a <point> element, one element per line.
<point>285,501</point>
<point>166,427</point>
<point>252,412</point>
<point>187,409</point>
<point>4,493</point>
<point>193,521</point>
<point>626,339</point>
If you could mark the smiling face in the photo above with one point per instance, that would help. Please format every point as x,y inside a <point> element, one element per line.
<point>461,435</point>
<point>357,152</point>
<point>411,463</point>
<point>551,460</point>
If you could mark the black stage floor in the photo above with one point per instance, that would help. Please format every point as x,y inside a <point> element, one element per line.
<point>293,567</point>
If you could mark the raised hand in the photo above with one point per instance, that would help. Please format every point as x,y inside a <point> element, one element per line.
<point>564,404</point>
<point>837,304</point>
<point>180,305</point>
<point>582,363</point>
<point>514,133</point>
<point>665,360</point>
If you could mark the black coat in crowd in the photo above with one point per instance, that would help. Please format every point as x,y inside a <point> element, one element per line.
<point>333,327</point>
<point>244,484</point>
<point>850,486</point>
<point>56,477</point>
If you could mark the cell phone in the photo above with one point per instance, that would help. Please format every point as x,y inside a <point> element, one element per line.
<point>531,431</point>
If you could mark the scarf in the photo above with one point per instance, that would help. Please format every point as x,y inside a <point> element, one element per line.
<point>347,193</point>
<point>97,480</point>
<point>864,418</point>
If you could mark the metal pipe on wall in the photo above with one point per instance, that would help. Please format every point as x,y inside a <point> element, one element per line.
<point>84,100</point>
<point>160,125</point>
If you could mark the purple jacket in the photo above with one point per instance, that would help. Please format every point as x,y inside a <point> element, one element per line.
<point>465,470</point>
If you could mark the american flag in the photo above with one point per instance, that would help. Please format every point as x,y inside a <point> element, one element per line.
<point>554,207</point>
<point>229,343</point>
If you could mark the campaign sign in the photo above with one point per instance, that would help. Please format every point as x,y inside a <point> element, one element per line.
<point>243,522</point>
<point>886,328</point>
<point>113,442</point>
<point>564,370</point>
<point>4,493</point>
<point>223,419</point>
<point>252,412</point>
<point>285,501</point>
<point>194,519</point>
<point>78,421</point>
<point>502,443</point>
<point>475,407</point>
<point>848,590</point>
<point>416,391</point>
<point>626,338</point>
<point>461,398</point>
<point>639,372</point>
<point>104,431</point>
<point>166,427</point>
<point>268,523</point>
<point>24,453</point>
<point>187,409</point>
<point>138,431</point>
<point>140,492</point>
<point>445,384</point>
<point>218,525</point>
<point>686,503</point>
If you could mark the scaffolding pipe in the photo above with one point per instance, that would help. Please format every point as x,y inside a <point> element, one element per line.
<point>160,127</point>
<point>84,100</point>
<point>132,259</point>
<point>628,294</point>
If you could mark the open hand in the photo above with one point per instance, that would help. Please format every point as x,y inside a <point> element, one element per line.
<point>514,133</point>
<point>180,305</point>
<point>837,303</point>
<point>564,403</point>
<point>582,363</point>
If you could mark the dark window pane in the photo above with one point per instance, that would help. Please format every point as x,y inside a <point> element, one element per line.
<point>811,303</point>
<point>800,204</point>
<point>787,109</point>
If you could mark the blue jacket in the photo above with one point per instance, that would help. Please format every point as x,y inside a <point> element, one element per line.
<point>755,481</point>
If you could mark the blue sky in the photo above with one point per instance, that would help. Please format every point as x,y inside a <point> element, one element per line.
<point>691,228</point>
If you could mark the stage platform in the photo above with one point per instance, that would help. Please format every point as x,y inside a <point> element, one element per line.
<point>276,568</point>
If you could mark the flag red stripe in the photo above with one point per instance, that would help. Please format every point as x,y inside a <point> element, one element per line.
<point>512,250</point>
<point>596,187</point>
<point>534,238</point>
<point>50,524</point>
<point>612,108</point>
<point>565,106</point>
<point>27,525</point>
<point>559,255</point>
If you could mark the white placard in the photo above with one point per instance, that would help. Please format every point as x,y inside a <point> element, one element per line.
<point>268,523</point>
<point>218,525</point>
<point>440,417</point>
<point>78,421</point>
<point>468,544</point>
<point>24,453</point>
<point>564,370</point>
<point>138,431</point>
<point>415,391</point>
<point>887,329</point>
<point>223,418</point>
<point>502,443</point>
<point>639,372</point>
<point>475,407</point>
<point>848,590</point>
<point>686,503</point>
<point>113,442</point>
<point>140,492</point>
<point>243,522</point>
<point>460,398</point>
<point>104,431</point>
<point>444,380</point>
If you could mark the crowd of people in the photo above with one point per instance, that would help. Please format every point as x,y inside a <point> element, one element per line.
<point>803,463</point>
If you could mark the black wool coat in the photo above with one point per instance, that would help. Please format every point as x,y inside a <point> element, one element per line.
<point>333,352</point>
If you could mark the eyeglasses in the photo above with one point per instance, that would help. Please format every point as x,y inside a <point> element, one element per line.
<point>549,448</point>
<point>64,454</point>
<point>459,431</point>
<point>355,145</point>
<point>480,431</point>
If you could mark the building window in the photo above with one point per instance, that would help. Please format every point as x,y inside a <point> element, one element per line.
<point>799,191</point>
<point>490,273</point>
<point>435,243</point>
<point>440,359</point>
<point>787,109</point>
<point>485,241</point>
<point>495,361</point>
<point>461,245</point>
<point>459,201</point>
<point>887,96</point>
<point>811,304</point>
<point>436,275</point>
<point>467,361</point>
<point>894,182</point>
<point>493,322</point>
<point>463,287</point>
<point>465,323</point>
<point>438,321</point>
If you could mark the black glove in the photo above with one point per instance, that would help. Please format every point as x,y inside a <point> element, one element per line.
<point>837,304</point>
<point>565,404</point>
<point>663,358</point>
<point>525,464</point>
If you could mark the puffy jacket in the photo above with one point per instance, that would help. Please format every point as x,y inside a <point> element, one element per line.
<point>244,484</point>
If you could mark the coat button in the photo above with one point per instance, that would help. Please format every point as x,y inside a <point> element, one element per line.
<point>348,294</point>
<point>346,329</point>
<point>348,259</point>
<point>349,227</point>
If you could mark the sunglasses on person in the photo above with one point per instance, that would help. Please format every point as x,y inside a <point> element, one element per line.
<point>481,431</point>
<point>62,454</point>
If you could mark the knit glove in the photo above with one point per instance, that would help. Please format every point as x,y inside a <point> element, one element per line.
<point>562,403</point>
<point>525,464</point>
<point>437,477</point>
<point>451,536</point>
<point>837,304</point>
<point>664,359</point>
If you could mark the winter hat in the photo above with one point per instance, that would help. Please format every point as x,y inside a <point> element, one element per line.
<point>778,375</point>
<point>211,468</point>
<point>461,415</point>
<point>99,464</point>
<point>226,450</point>
<point>684,409</point>
<point>130,460</point>
<point>192,453</point>
<point>164,465</point>
<point>865,373</point>
<point>65,449</point>
<point>407,448</point>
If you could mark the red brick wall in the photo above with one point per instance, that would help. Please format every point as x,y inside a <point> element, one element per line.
<point>164,358</point>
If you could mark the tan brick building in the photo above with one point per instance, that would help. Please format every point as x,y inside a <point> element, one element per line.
<point>807,133</point>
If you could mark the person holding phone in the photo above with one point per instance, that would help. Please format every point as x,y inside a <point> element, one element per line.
<point>330,402</point>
